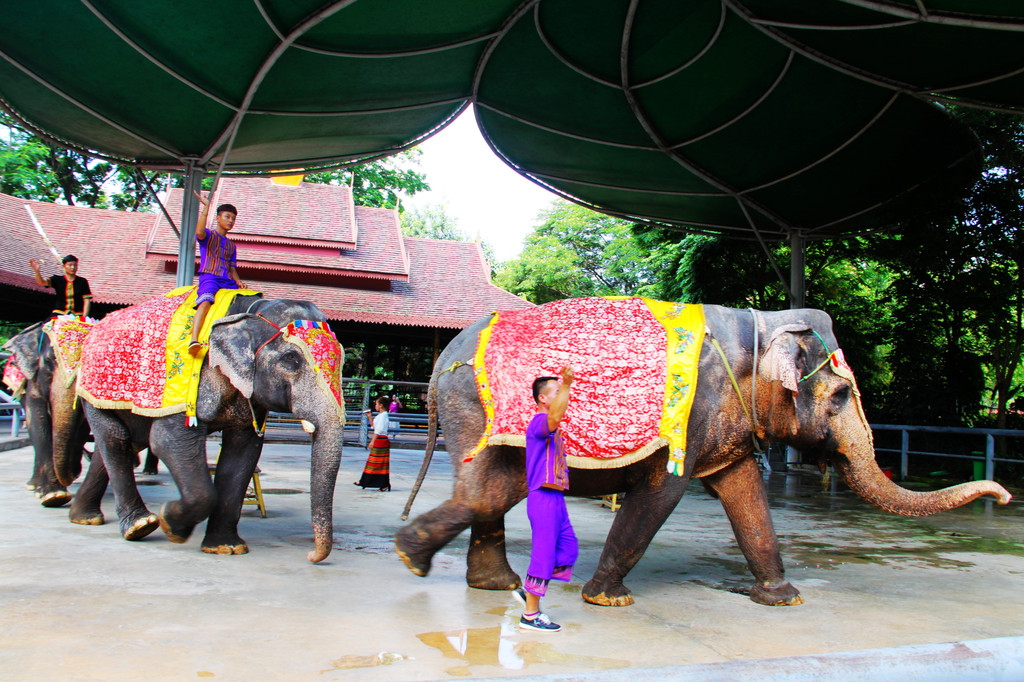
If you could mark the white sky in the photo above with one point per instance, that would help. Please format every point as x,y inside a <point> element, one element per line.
<point>484,195</point>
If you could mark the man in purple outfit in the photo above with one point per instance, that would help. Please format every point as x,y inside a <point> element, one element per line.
<point>217,260</point>
<point>555,547</point>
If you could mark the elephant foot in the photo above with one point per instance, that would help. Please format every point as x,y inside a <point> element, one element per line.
<point>419,568</point>
<point>226,550</point>
<point>56,498</point>
<point>178,535</point>
<point>781,594</point>
<point>416,561</point>
<point>224,544</point>
<point>615,594</point>
<point>87,518</point>
<point>140,528</point>
<point>493,581</point>
<point>30,486</point>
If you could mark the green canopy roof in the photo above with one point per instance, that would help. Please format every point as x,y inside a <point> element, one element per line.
<point>780,116</point>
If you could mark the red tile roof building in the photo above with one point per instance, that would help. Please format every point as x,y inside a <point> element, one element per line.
<point>307,241</point>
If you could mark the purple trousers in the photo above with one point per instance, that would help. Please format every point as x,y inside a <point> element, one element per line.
<point>210,284</point>
<point>555,547</point>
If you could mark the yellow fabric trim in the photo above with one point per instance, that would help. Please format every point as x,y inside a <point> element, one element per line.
<point>125,405</point>
<point>684,330</point>
<point>483,386</point>
<point>182,370</point>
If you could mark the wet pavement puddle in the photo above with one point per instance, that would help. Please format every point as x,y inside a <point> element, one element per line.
<point>499,646</point>
<point>350,661</point>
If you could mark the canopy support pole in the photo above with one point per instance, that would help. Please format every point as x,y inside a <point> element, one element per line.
<point>189,217</point>
<point>797,270</point>
<point>797,291</point>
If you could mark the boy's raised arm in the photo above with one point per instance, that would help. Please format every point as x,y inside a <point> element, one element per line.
<point>561,400</point>
<point>40,280</point>
<point>203,215</point>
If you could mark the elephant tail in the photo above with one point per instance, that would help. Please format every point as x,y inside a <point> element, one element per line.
<point>431,442</point>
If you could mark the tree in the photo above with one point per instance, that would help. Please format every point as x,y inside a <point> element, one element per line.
<point>378,183</point>
<point>958,291</point>
<point>433,222</point>
<point>32,169</point>
<point>579,252</point>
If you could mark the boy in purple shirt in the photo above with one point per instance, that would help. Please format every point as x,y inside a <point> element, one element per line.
<point>554,548</point>
<point>217,260</point>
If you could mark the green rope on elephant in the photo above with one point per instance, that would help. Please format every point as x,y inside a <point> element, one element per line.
<point>823,363</point>
<point>732,378</point>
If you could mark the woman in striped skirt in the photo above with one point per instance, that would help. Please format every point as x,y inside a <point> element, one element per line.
<point>377,472</point>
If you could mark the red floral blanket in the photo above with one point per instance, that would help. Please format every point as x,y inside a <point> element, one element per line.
<point>67,336</point>
<point>635,362</point>
<point>138,359</point>
<point>14,379</point>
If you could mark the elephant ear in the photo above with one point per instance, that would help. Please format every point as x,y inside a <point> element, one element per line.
<point>782,361</point>
<point>25,347</point>
<point>231,351</point>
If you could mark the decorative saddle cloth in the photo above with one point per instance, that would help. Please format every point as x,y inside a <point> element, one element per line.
<point>635,362</point>
<point>138,360</point>
<point>14,379</point>
<point>67,336</point>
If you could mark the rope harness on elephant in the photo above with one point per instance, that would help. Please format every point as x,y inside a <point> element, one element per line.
<point>751,413</point>
<point>260,430</point>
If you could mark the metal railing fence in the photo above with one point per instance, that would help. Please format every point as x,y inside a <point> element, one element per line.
<point>988,456</point>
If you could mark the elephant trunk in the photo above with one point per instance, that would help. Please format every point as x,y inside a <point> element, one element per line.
<point>870,483</point>
<point>323,475</point>
<point>861,472</point>
<point>70,430</point>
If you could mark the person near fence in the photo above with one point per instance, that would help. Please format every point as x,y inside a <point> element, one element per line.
<point>377,472</point>
<point>396,404</point>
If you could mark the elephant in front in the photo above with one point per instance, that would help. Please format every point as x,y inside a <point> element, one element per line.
<point>787,368</point>
<point>249,370</point>
<point>56,425</point>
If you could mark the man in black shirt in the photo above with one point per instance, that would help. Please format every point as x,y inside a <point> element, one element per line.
<point>73,294</point>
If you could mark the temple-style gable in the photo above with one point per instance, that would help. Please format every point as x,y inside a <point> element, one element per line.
<point>301,234</point>
<point>307,242</point>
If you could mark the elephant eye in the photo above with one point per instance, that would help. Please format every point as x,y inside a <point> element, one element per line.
<point>291,361</point>
<point>840,398</point>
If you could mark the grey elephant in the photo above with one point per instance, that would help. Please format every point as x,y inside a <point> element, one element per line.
<point>251,368</point>
<point>790,385</point>
<point>55,423</point>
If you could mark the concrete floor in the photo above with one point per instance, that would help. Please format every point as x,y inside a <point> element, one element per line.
<point>80,603</point>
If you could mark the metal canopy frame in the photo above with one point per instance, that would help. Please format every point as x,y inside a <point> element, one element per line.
<point>696,192</point>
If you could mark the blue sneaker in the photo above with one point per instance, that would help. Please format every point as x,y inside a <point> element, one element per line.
<point>539,623</point>
<point>520,595</point>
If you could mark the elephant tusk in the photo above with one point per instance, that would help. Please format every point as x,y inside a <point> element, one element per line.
<point>308,427</point>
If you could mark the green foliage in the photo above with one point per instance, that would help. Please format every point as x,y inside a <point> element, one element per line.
<point>378,183</point>
<point>579,252</point>
<point>8,330</point>
<point>931,316</point>
<point>433,222</point>
<point>958,291</point>
<point>31,169</point>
